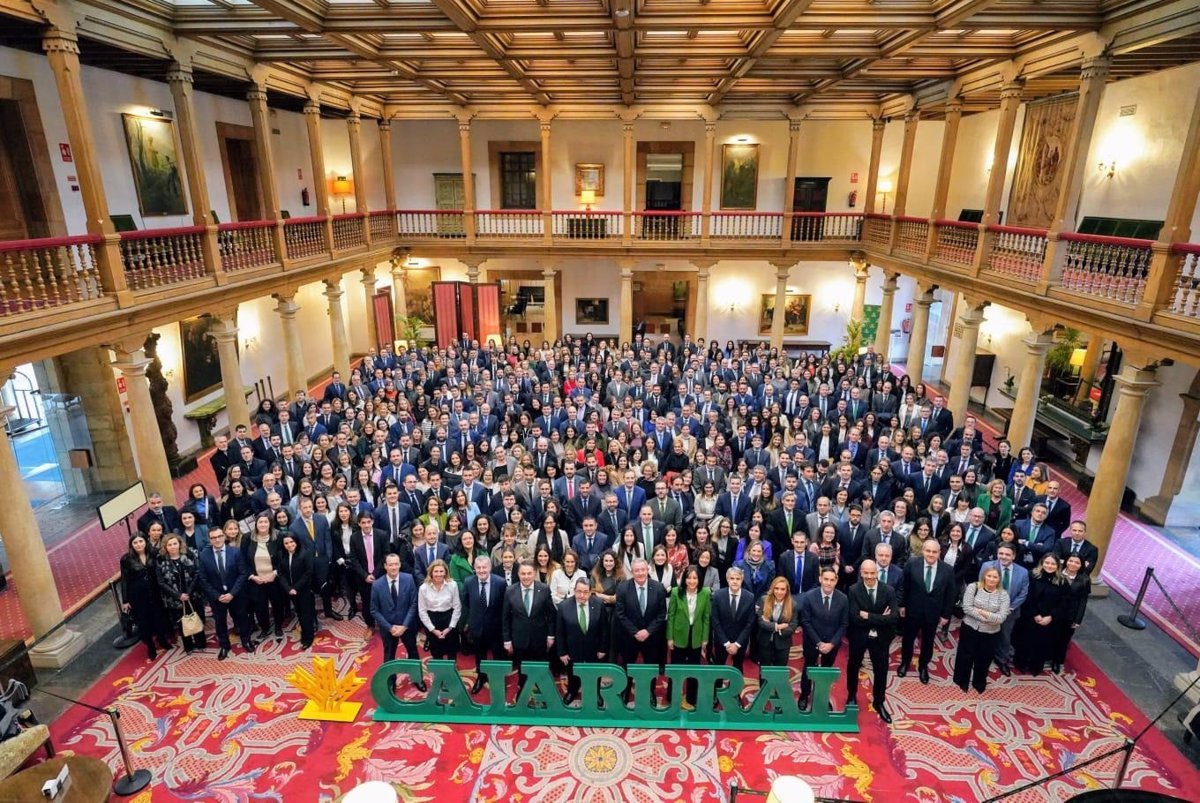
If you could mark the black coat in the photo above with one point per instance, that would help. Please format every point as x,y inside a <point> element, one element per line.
<point>883,624</point>
<point>923,605</point>
<point>571,641</point>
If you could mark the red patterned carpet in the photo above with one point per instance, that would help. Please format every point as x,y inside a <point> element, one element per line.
<point>229,732</point>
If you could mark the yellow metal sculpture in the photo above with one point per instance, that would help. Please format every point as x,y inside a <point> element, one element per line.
<point>327,693</point>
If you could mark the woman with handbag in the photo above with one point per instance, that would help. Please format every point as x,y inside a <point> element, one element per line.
<point>176,569</point>
<point>140,595</point>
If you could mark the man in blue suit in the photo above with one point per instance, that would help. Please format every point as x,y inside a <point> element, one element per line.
<point>222,578</point>
<point>424,555</point>
<point>483,603</point>
<point>393,516</point>
<point>824,617</point>
<point>630,497</point>
<point>798,566</point>
<point>1038,537</point>
<point>313,532</point>
<point>394,606</point>
<point>589,544</point>
<point>734,504</point>
<point>1015,580</point>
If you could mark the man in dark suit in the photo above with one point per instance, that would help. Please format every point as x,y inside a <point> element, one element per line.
<point>394,606</point>
<point>732,620</point>
<point>588,544</point>
<point>926,601</point>
<point>734,504</point>
<point>425,554</point>
<point>483,598</point>
<point>1036,536</point>
<point>641,615</point>
<point>313,532</point>
<point>527,620</point>
<point>1022,497</point>
<point>1058,510</point>
<point>222,578</point>
<point>393,515</point>
<point>220,458</point>
<point>581,633</point>
<point>886,533</point>
<point>925,485</point>
<point>1077,544</point>
<point>874,614</point>
<point>160,513</point>
<point>368,551</point>
<point>585,503</point>
<point>783,522</point>
<point>612,519</point>
<point>824,616</point>
<point>889,573</point>
<point>650,533</point>
<point>798,566</point>
<point>850,541</point>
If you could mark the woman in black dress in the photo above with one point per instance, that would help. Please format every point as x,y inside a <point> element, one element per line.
<point>1041,617</point>
<point>176,570</point>
<point>294,565</point>
<point>1078,589</point>
<point>139,590</point>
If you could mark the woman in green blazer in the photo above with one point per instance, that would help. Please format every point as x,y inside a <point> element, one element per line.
<point>688,609</point>
<point>997,508</point>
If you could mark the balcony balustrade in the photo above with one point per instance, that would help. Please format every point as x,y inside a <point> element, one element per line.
<point>1110,268</point>
<point>348,231</point>
<point>155,258</point>
<point>246,244</point>
<point>1016,252</point>
<point>51,272</point>
<point>304,237</point>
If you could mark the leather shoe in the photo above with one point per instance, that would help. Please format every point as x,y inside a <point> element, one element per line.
<point>334,615</point>
<point>477,686</point>
<point>923,674</point>
<point>884,715</point>
<point>420,686</point>
<point>251,646</point>
<point>805,704</point>
<point>223,654</point>
<point>570,698</point>
<point>902,671</point>
<point>1006,670</point>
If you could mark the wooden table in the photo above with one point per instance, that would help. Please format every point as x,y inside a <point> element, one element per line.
<point>91,781</point>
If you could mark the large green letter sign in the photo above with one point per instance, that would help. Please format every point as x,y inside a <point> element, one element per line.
<point>718,701</point>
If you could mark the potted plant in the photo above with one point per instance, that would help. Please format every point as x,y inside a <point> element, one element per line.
<point>852,343</point>
<point>409,328</point>
<point>1058,362</point>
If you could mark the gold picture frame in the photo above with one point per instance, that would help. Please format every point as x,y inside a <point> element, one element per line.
<point>796,318</point>
<point>739,176</point>
<point>589,176</point>
<point>154,160</point>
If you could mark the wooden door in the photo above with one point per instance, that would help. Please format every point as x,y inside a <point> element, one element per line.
<point>809,195</point>
<point>449,194</point>
<point>245,203</point>
<point>13,225</point>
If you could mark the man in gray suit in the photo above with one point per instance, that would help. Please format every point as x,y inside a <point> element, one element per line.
<point>1015,580</point>
<point>664,509</point>
<point>709,472</point>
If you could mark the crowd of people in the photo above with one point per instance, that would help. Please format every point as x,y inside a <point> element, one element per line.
<point>652,502</point>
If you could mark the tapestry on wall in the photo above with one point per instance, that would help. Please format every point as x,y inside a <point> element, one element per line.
<point>1040,162</point>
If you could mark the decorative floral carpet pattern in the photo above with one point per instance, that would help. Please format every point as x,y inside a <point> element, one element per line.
<point>228,732</point>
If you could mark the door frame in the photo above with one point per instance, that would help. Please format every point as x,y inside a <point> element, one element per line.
<point>245,133</point>
<point>21,91</point>
<point>685,147</point>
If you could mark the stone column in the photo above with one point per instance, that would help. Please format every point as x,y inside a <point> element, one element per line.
<point>780,313</point>
<point>260,116</point>
<point>550,308</point>
<point>337,327</point>
<point>626,300</point>
<point>464,150</point>
<point>1029,389</point>
<point>36,589</point>
<point>475,269</point>
<point>544,179</point>
<point>861,268</point>
<point>911,120</point>
<point>155,471</point>
<point>919,338</point>
<point>385,153</point>
<point>399,296</point>
<point>883,333</point>
<point>293,349</point>
<point>1010,104</point>
<point>1104,502</point>
<point>358,172</point>
<point>316,153</point>
<point>789,182</point>
<point>179,79</point>
<point>1179,458</point>
<point>368,286</point>
<point>627,165</point>
<point>226,335</point>
<point>962,359</point>
<point>702,274</point>
<point>877,126</point>
<point>706,208</point>
<point>62,52</point>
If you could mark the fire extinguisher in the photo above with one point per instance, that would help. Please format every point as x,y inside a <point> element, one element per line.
<point>852,201</point>
<point>304,196</point>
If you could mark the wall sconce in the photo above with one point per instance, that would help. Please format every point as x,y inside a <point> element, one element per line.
<point>885,187</point>
<point>1108,168</point>
<point>250,343</point>
<point>342,188</point>
<point>587,198</point>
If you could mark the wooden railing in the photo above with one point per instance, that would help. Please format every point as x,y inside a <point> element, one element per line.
<point>877,229</point>
<point>1016,252</point>
<point>156,258</point>
<point>348,231</point>
<point>585,225</point>
<point>246,244</point>
<point>955,242</point>
<point>382,224</point>
<point>1111,268</point>
<point>51,272</point>
<point>745,226</point>
<point>666,226</point>
<point>430,224</point>
<point>304,236</point>
<point>510,224</point>
<point>826,227</point>
<point>912,235</point>
<point>1186,299</point>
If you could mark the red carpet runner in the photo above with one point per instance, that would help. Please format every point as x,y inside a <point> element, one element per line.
<point>228,732</point>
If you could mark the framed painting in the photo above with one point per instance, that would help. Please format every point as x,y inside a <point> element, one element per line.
<point>589,176</point>
<point>198,352</point>
<point>418,291</point>
<point>739,176</point>
<point>795,316</point>
<point>154,158</point>
<point>592,311</point>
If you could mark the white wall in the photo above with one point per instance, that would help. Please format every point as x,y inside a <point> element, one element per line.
<point>589,141</point>
<point>836,148</point>
<point>421,148</point>
<point>592,278</point>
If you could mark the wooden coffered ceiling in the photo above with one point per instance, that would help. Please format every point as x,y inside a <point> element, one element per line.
<point>742,57</point>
